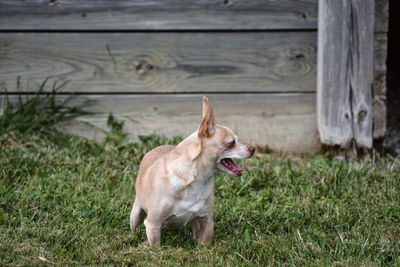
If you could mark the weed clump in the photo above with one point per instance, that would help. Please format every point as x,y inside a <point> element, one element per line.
<point>38,113</point>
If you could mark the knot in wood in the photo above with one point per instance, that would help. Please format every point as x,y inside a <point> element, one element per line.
<point>52,2</point>
<point>300,55</point>
<point>227,2</point>
<point>296,54</point>
<point>361,115</point>
<point>144,67</point>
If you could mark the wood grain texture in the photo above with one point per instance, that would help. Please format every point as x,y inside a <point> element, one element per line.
<point>333,90</point>
<point>362,69</point>
<point>163,62</point>
<point>280,121</point>
<point>381,16</point>
<point>84,15</point>
<point>345,72</point>
<point>379,88</point>
<point>157,15</point>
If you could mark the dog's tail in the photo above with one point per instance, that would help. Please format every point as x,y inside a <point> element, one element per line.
<point>137,216</point>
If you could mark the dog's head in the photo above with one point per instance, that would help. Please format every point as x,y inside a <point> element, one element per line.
<point>220,143</point>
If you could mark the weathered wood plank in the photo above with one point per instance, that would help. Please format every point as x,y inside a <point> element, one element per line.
<point>381,16</point>
<point>345,72</point>
<point>379,88</point>
<point>163,62</point>
<point>362,69</point>
<point>157,15</point>
<point>166,15</point>
<point>280,121</point>
<point>333,92</point>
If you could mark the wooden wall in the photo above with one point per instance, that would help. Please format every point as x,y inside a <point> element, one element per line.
<point>149,62</point>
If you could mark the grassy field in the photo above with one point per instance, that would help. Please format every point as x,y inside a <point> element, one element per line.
<point>66,201</point>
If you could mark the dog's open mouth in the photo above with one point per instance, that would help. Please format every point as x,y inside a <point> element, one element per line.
<point>230,165</point>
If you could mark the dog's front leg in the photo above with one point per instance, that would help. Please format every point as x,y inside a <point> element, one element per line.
<point>153,231</point>
<point>206,230</point>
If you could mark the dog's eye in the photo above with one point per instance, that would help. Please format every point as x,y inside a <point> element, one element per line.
<point>231,144</point>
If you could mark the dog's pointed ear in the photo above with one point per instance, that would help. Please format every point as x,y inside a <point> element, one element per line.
<point>208,125</point>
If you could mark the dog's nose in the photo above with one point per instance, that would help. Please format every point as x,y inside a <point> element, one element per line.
<point>251,149</point>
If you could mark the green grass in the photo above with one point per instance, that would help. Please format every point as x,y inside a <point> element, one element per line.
<point>67,200</point>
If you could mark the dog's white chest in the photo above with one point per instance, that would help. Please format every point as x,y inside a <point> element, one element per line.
<point>191,205</point>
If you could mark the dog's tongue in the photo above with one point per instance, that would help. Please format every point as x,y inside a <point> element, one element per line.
<point>232,166</point>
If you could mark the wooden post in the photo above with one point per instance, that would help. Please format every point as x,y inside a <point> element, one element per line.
<point>345,72</point>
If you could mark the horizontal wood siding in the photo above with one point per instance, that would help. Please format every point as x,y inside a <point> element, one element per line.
<point>163,62</point>
<point>157,15</point>
<point>279,121</point>
<point>83,15</point>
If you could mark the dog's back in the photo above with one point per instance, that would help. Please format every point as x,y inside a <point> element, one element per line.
<point>151,157</point>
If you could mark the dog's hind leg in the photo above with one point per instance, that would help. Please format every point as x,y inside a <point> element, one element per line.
<point>196,229</point>
<point>137,216</point>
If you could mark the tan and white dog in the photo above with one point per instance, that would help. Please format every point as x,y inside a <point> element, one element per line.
<point>175,185</point>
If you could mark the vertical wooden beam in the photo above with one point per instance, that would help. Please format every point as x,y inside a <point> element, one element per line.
<point>345,72</point>
<point>362,69</point>
<point>333,91</point>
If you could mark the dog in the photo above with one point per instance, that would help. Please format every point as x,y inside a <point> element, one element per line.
<point>175,185</point>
